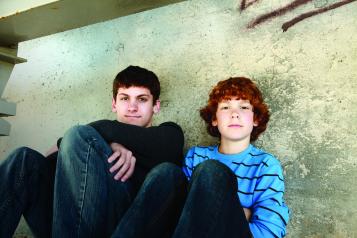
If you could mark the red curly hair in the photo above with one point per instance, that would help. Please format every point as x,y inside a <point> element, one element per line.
<point>241,88</point>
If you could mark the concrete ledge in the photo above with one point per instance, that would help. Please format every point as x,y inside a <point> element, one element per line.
<point>7,108</point>
<point>12,59</point>
<point>4,127</point>
<point>62,15</point>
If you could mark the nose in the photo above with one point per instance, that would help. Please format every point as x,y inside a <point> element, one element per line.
<point>235,114</point>
<point>133,106</point>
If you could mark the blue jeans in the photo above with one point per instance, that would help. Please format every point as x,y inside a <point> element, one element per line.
<point>26,188</point>
<point>212,208</point>
<point>88,202</point>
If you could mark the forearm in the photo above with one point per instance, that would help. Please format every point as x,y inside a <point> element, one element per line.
<point>155,144</point>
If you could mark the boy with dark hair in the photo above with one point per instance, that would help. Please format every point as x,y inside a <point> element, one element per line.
<point>83,188</point>
<point>89,201</point>
<point>236,189</point>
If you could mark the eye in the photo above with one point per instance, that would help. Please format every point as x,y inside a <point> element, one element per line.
<point>124,98</point>
<point>143,99</point>
<point>224,107</point>
<point>245,107</point>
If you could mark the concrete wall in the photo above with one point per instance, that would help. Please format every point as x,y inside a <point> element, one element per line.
<point>308,75</point>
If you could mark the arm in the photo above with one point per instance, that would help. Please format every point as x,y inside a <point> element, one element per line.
<point>269,212</point>
<point>156,144</point>
<point>122,160</point>
<point>188,164</point>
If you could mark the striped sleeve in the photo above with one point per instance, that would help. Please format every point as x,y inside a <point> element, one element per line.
<point>270,214</point>
<point>188,163</point>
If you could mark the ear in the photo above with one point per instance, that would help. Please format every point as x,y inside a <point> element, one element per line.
<point>114,106</point>
<point>156,108</point>
<point>255,123</point>
<point>214,123</point>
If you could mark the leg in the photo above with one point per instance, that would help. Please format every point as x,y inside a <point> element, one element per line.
<point>156,208</point>
<point>26,188</point>
<point>212,208</point>
<point>88,202</point>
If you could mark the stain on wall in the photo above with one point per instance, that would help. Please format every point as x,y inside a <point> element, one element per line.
<point>307,74</point>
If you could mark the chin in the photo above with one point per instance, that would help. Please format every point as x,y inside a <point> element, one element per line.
<point>132,122</point>
<point>138,124</point>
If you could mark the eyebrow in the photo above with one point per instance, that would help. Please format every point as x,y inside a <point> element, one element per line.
<point>230,99</point>
<point>140,95</point>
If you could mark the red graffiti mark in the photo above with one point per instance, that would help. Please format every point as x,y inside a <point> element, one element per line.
<point>289,7</point>
<point>277,12</point>
<point>301,17</point>
<point>244,4</point>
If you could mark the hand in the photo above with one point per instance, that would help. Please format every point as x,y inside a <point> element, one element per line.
<point>124,162</point>
<point>248,213</point>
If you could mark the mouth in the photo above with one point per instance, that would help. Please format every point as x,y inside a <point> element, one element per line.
<point>235,125</point>
<point>132,116</point>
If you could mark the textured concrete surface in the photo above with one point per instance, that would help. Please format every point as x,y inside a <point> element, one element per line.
<point>308,75</point>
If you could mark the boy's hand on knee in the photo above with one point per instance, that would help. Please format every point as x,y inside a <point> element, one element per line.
<point>124,162</point>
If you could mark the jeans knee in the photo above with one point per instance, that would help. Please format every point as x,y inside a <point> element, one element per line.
<point>78,135</point>
<point>23,154</point>
<point>168,172</point>
<point>83,145</point>
<point>213,169</point>
<point>209,167</point>
<point>24,159</point>
<point>75,133</point>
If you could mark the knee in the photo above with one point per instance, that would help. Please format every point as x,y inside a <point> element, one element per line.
<point>23,154</point>
<point>24,157</point>
<point>75,133</point>
<point>22,150</point>
<point>168,172</point>
<point>78,135</point>
<point>213,170</point>
<point>209,167</point>
<point>83,140</point>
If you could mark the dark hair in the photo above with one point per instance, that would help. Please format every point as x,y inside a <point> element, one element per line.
<point>242,88</point>
<point>137,77</point>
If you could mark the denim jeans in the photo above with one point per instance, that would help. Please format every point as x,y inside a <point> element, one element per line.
<point>26,188</point>
<point>212,208</point>
<point>88,202</point>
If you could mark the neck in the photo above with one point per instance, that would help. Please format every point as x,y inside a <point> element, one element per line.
<point>232,147</point>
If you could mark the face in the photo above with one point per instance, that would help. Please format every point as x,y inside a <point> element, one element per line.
<point>235,120</point>
<point>134,105</point>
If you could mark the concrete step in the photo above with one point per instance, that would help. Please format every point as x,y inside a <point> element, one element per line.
<point>4,128</point>
<point>7,108</point>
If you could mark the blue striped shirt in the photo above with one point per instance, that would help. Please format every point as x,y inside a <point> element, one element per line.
<point>260,186</point>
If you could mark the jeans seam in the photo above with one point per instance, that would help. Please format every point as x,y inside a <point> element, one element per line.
<point>84,186</point>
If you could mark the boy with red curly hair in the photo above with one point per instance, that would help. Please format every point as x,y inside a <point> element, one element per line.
<point>236,189</point>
